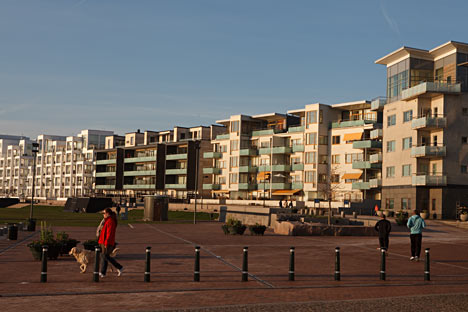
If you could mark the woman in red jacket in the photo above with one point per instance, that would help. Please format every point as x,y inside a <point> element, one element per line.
<point>107,242</point>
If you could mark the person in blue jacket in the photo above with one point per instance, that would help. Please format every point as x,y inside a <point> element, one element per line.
<point>416,224</point>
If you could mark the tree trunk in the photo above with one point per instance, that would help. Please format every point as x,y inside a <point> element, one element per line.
<point>329,212</point>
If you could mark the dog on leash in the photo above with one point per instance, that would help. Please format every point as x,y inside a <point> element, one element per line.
<point>86,257</point>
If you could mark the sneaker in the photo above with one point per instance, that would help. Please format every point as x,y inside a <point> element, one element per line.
<point>412,258</point>
<point>101,275</point>
<point>416,258</point>
<point>119,272</point>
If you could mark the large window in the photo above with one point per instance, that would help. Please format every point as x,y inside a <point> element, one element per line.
<point>406,170</point>
<point>311,138</point>
<point>311,117</point>
<point>407,143</point>
<point>349,158</point>
<point>235,126</point>
<point>309,176</point>
<point>310,157</point>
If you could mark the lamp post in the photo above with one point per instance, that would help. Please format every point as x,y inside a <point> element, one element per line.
<point>31,221</point>
<point>197,156</point>
<point>265,177</point>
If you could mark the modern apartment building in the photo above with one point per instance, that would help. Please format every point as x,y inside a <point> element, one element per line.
<point>151,162</point>
<point>425,137</point>
<point>15,159</point>
<point>320,151</point>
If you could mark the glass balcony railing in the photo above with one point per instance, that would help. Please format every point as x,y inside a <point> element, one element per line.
<point>138,186</point>
<point>360,186</point>
<point>367,144</point>
<point>375,158</point>
<point>376,134</point>
<point>213,187</point>
<point>429,180</point>
<point>105,161</point>
<point>178,186</point>
<point>176,171</point>
<point>375,183</point>
<point>297,186</point>
<point>247,186</point>
<point>298,167</point>
<point>429,151</point>
<point>378,103</point>
<point>248,152</point>
<point>105,187</point>
<point>281,150</point>
<point>431,87</point>
<point>224,136</point>
<point>274,186</point>
<point>105,174</point>
<point>352,123</point>
<point>140,159</point>
<point>140,173</point>
<point>429,122</point>
<point>212,170</point>
<point>296,129</point>
<point>215,155</point>
<point>366,165</point>
<point>285,168</point>
<point>247,169</point>
<point>297,148</point>
<point>176,156</point>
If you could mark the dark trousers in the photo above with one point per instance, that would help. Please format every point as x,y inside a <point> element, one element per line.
<point>106,258</point>
<point>383,240</point>
<point>416,240</point>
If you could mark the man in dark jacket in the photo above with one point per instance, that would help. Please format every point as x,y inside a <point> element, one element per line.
<point>384,228</point>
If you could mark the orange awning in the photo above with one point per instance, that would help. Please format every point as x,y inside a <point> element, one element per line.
<point>285,192</point>
<point>351,176</point>
<point>352,136</point>
<point>220,191</point>
<point>262,176</point>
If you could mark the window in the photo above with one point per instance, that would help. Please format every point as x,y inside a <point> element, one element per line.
<point>322,178</point>
<point>335,159</point>
<point>407,116</point>
<point>323,140</point>
<point>464,140</point>
<point>234,162</point>
<point>407,143</point>
<point>405,170</point>
<point>311,138</point>
<point>336,139</point>
<point>309,176</point>
<point>463,169</point>
<point>389,203</point>
<point>405,203</point>
<point>390,172</point>
<point>235,126</point>
<point>323,159</point>
<point>234,145</point>
<point>390,146</point>
<point>349,158</point>
<point>310,157</point>
<point>391,120</point>
<point>335,178</point>
<point>321,116</point>
<point>311,117</point>
<point>233,178</point>
<point>439,74</point>
<point>221,180</point>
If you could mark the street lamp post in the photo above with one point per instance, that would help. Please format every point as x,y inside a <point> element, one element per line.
<point>265,177</point>
<point>31,221</point>
<point>197,156</point>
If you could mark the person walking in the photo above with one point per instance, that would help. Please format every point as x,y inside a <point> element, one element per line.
<point>107,242</point>
<point>118,210</point>
<point>384,227</point>
<point>416,224</point>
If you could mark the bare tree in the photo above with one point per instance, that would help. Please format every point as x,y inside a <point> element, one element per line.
<point>329,187</point>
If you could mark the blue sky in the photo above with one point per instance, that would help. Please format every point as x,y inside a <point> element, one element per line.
<point>67,65</point>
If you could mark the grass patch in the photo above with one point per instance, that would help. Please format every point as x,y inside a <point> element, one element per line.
<point>55,216</point>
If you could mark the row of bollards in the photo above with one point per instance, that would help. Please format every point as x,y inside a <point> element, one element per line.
<point>245,267</point>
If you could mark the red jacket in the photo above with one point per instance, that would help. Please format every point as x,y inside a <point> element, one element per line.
<point>107,236</point>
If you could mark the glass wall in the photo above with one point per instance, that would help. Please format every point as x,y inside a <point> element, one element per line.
<point>421,71</point>
<point>397,79</point>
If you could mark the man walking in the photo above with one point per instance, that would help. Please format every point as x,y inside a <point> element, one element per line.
<point>416,224</point>
<point>384,228</point>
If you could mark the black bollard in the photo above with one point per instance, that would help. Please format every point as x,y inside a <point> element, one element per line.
<point>148,265</point>
<point>337,264</point>
<point>382,264</point>
<point>291,264</point>
<point>45,248</point>
<point>196,272</point>
<point>245,265</point>
<point>96,264</point>
<point>427,267</point>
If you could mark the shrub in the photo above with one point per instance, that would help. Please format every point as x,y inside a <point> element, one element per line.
<point>401,217</point>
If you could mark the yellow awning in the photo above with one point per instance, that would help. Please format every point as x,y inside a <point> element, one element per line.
<point>285,192</point>
<point>352,136</point>
<point>220,191</point>
<point>263,176</point>
<point>351,176</point>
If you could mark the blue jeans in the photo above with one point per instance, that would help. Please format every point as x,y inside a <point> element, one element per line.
<point>106,258</point>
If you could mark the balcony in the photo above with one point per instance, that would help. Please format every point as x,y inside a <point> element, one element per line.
<point>429,180</point>
<point>352,123</point>
<point>105,174</point>
<point>377,104</point>
<point>176,156</point>
<point>429,151</point>
<point>264,151</point>
<point>139,159</point>
<point>105,161</point>
<point>361,186</point>
<point>212,170</point>
<point>211,186</point>
<point>248,152</point>
<point>298,167</point>
<point>430,87</point>
<point>264,168</point>
<point>274,186</point>
<point>375,183</point>
<point>429,122</point>
<point>140,173</point>
<point>247,186</point>
<point>375,158</point>
<point>286,168</point>
<point>180,186</point>
<point>139,186</point>
<point>366,165</point>
<point>282,150</point>
<point>215,155</point>
<point>247,169</point>
<point>297,186</point>
<point>376,134</point>
<point>296,129</point>
<point>105,187</point>
<point>225,136</point>
<point>297,148</point>
<point>176,171</point>
<point>263,132</point>
<point>367,144</point>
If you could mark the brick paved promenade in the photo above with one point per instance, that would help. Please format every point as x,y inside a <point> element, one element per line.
<point>172,285</point>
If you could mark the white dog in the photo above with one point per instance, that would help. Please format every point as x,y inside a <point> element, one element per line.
<point>86,257</point>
